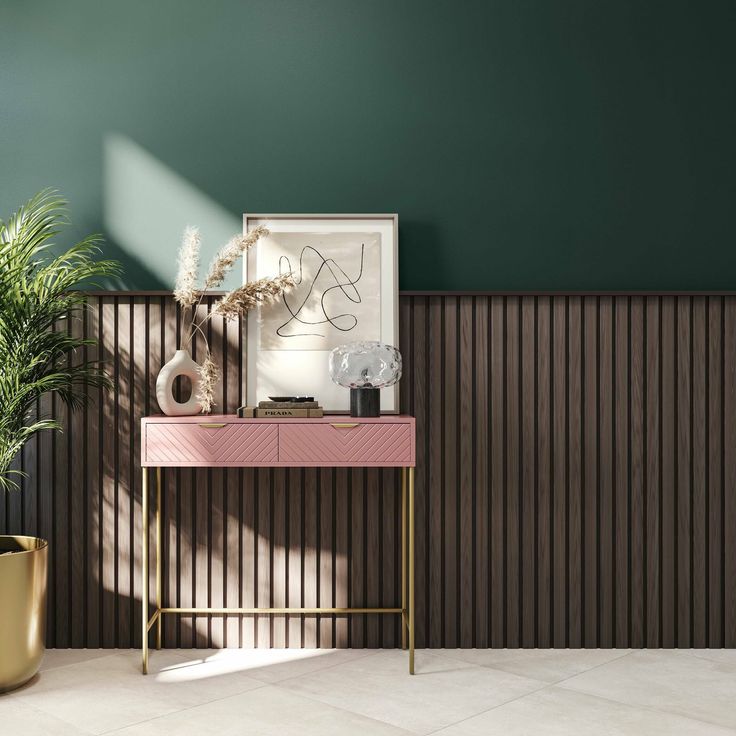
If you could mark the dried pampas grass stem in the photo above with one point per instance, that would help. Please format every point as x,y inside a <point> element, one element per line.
<point>234,304</point>
<point>252,294</point>
<point>185,289</point>
<point>209,375</point>
<point>226,258</point>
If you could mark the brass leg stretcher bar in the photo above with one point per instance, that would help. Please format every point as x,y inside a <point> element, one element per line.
<point>407,576</point>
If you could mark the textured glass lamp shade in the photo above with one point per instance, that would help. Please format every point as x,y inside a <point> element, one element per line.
<point>364,368</point>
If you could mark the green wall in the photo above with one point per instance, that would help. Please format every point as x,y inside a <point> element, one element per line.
<point>525,144</point>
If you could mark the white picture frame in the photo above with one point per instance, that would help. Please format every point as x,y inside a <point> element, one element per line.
<point>273,370</point>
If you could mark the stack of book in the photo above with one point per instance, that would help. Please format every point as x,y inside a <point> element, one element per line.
<point>282,409</point>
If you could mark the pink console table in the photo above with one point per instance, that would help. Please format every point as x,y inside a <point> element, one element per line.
<point>229,442</point>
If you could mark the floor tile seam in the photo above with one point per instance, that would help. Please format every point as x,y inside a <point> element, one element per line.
<point>594,667</point>
<point>184,709</point>
<point>308,696</point>
<point>41,711</point>
<point>546,686</point>
<point>498,668</point>
<point>689,653</point>
<point>649,708</point>
<point>112,653</point>
<point>321,669</point>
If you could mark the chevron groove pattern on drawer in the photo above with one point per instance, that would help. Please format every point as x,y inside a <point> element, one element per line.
<point>364,444</point>
<point>190,444</point>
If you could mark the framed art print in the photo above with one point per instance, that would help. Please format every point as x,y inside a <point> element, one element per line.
<point>345,269</point>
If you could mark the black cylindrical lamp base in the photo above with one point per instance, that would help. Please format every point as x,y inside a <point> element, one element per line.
<point>365,402</point>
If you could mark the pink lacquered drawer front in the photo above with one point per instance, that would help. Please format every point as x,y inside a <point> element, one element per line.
<point>346,443</point>
<point>211,443</point>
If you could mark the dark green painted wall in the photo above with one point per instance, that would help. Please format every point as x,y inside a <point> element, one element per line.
<point>525,144</point>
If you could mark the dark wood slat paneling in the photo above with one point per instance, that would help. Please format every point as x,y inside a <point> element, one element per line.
<point>575,486</point>
<point>575,567</point>
<point>466,488</point>
<point>652,464</point>
<point>108,453</point>
<point>590,477</point>
<point>621,478</point>
<point>449,417</point>
<point>636,530</point>
<point>606,436</point>
<point>683,521</point>
<point>668,478</point>
<point>92,489</point>
<point>547,552</point>
<point>729,465</point>
<point>497,590</point>
<point>61,551</point>
<point>513,476</point>
<point>481,407</point>
<point>699,572</point>
<point>556,520</point>
<point>528,610</point>
<point>77,516</point>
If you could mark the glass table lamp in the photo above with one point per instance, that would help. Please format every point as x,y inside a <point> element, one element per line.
<point>365,368</point>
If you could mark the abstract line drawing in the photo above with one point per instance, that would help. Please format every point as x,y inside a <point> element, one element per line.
<point>336,294</point>
<point>295,303</point>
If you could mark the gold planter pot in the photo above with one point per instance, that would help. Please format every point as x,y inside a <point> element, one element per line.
<point>22,608</point>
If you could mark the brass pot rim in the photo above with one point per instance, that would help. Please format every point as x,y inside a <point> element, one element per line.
<point>43,543</point>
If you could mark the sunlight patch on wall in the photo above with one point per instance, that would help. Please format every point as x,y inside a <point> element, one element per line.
<point>147,205</point>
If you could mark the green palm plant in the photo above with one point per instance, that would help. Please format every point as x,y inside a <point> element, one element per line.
<point>38,298</point>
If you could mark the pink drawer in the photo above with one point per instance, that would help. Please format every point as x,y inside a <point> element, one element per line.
<point>197,444</point>
<point>346,443</point>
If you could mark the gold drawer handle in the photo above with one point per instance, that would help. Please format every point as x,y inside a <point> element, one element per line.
<point>348,425</point>
<point>211,425</point>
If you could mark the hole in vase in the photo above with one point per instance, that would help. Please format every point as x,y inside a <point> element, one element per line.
<point>182,389</point>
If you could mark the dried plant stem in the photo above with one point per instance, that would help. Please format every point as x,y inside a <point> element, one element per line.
<point>234,304</point>
<point>185,288</point>
<point>250,295</point>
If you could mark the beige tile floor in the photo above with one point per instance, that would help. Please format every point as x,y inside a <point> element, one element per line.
<point>455,693</point>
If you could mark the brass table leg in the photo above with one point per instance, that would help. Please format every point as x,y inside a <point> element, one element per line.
<point>407,561</point>
<point>404,612</point>
<point>158,557</point>
<point>144,576</point>
<point>411,571</point>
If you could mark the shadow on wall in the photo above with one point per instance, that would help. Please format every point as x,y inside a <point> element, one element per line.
<point>147,205</point>
<point>220,530</point>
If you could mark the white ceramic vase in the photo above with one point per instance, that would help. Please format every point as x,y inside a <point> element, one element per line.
<point>180,365</point>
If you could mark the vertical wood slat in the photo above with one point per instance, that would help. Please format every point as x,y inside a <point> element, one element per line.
<point>547,446</point>
<point>557,438</point>
<point>636,530</point>
<point>63,530</point>
<point>498,495</point>
<point>108,513</point>
<point>590,480</point>
<point>716,420</point>
<point>512,479</point>
<point>574,589</point>
<point>575,487</point>
<point>449,418</point>
<point>434,429</point>
<point>77,517</point>
<point>652,463</point>
<point>699,573</point>
<point>668,498</point>
<point>466,486</point>
<point>92,463</point>
<point>683,445</point>
<point>729,465</point>
<point>621,478</point>
<point>528,611</point>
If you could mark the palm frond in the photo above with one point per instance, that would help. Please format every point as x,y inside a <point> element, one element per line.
<point>38,352</point>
